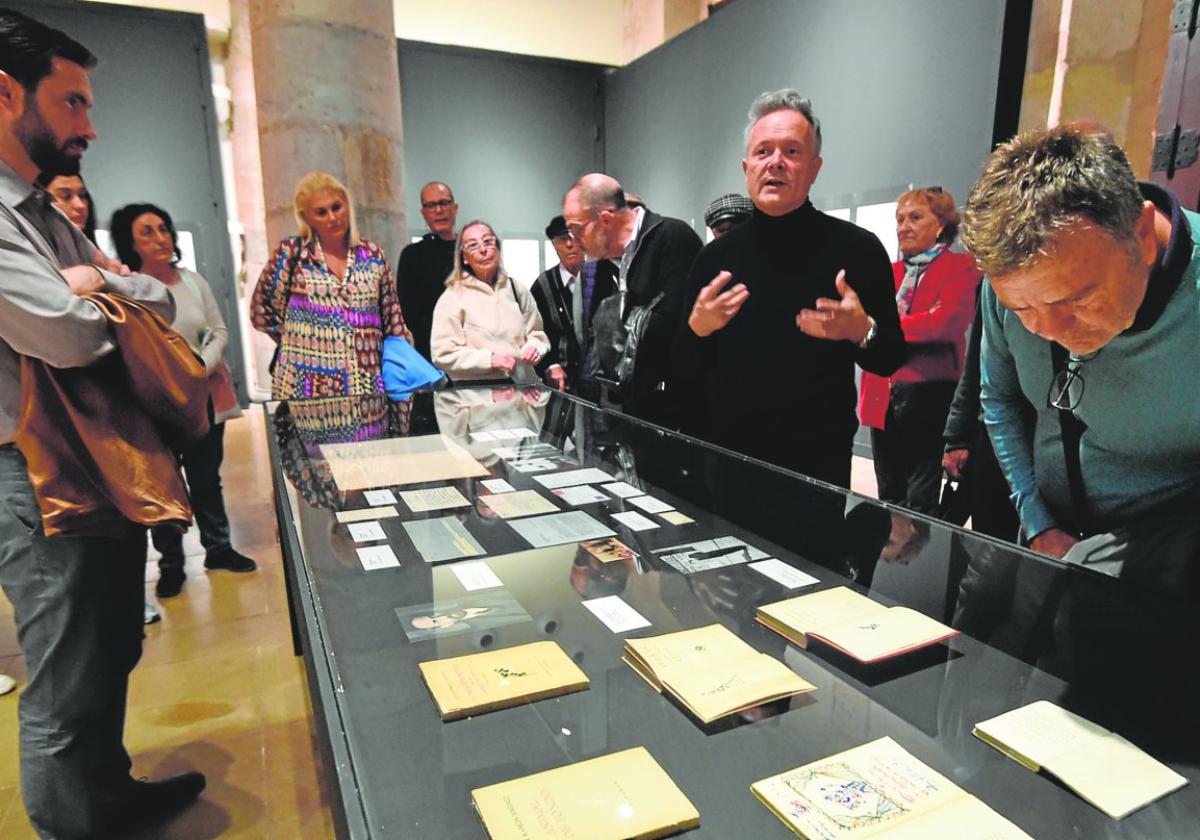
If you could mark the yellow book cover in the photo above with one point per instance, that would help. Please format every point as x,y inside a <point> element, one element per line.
<point>712,671</point>
<point>1101,766</point>
<point>497,679</point>
<point>620,795</point>
<point>879,790</point>
<point>853,623</point>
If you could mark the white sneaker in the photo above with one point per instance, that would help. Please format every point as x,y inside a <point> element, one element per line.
<point>151,615</point>
<point>7,683</point>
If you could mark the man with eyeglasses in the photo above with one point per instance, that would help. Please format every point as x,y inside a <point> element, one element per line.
<point>1092,317</point>
<point>424,265</point>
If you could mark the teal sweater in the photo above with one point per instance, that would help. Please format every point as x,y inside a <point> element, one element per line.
<point>1141,400</point>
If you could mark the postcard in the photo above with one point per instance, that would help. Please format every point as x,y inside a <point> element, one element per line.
<point>622,490</point>
<point>615,614</point>
<point>608,550</point>
<point>635,521</point>
<point>475,575</point>
<point>497,485</point>
<point>674,517</point>
<point>433,498</point>
<point>783,574</point>
<point>580,495</point>
<point>650,504</point>
<point>570,478</point>
<point>468,614</point>
<point>519,503</point>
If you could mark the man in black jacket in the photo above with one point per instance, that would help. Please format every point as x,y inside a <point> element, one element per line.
<point>766,367</point>
<point>566,296</point>
<point>649,255</point>
<point>423,267</point>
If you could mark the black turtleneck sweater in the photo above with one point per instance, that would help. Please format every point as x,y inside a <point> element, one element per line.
<point>762,387</point>
<point>420,281</point>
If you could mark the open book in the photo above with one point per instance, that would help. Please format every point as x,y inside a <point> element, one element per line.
<point>497,679</point>
<point>878,790</point>
<point>623,794</point>
<point>711,671</point>
<point>852,623</point>
<point>1101,766</point>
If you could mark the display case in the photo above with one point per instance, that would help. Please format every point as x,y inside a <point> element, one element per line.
<point>1116,650</point>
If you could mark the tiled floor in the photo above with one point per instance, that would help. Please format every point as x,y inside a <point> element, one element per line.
<point>218,689</point>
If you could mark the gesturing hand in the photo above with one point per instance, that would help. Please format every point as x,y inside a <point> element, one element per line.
<point>713,308</point>
<point>836,320</point>
<point>531,354</point>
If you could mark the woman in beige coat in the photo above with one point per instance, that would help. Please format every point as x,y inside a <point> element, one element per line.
<point>484,325</point>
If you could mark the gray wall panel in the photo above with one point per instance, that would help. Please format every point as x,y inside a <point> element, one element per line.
<point>157,135</point>
<point>905,92</point>
<point>509,134</point>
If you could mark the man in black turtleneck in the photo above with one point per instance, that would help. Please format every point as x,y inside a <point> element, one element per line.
<point>782,308</point>
<point>424,265</point>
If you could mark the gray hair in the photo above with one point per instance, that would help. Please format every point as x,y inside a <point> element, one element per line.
<point>786,99</point>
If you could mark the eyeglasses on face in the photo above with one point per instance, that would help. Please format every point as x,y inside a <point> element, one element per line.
<point>475,246</point>
<point>440,204</point>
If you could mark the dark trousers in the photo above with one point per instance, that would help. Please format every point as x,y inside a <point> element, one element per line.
<point>78,606</point>
<point>908,450</point>
<point>992,510</point>
<point>202,465</point>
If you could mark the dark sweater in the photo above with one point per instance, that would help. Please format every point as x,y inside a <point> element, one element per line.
<point>761,386</point>
<point>420,281</point>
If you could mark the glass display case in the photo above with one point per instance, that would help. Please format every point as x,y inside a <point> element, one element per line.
<point>381,581</point>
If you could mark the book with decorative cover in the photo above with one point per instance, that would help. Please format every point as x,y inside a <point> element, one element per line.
<point>711,671</point>
<point>853,624</point>
<point>1101,766</point>
<point>497,679</point>
<point>620,795</point>
<point>879,790</point>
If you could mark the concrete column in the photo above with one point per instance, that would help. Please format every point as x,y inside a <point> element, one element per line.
<point>1103,61</point>
<point>327,85</point>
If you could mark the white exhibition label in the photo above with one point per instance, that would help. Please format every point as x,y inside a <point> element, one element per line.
<point>784,574</point>
<point>366,531</point>
<point>478,436</point>
<point>497,485</point>
<point>377,557</point>
<point>475,575</point>
<point>570,478</point>
<point>384,512</point>
<point>650,504</point>
<point>622,490</point>
<point>633,519</point>
<point>379,497</point>
<point>616,615</point>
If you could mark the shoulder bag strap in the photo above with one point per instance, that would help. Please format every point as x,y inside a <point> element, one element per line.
<point>1072,429</point>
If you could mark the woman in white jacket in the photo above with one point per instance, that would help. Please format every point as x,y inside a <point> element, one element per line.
<point>485,327</point>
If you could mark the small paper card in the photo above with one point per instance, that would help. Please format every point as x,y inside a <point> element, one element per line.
<point>572,477</point>
<point>497,485</point>
<point>377,557</point>
<point>608,550</point>
<point>533,465</point>
<point>783,574</point>
<point>379,497</point>
<point>580,495</point>
<point>366,531</point>
<point>650,504</point>
<point>615,614</point>
<point>433,498</point>
<point>478,436</point>
<point>622,490</point>
<point>634,520</point>
<point>363,514</point>
<point>674,517</point>
<point>475,575</point>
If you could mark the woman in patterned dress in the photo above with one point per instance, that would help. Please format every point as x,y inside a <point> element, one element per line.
<point>327,298</point>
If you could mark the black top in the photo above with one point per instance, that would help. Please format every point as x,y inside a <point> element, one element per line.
<point>420,280</point>
<point>786,262</point>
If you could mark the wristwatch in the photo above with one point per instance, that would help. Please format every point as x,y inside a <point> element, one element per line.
<point>869,338</point>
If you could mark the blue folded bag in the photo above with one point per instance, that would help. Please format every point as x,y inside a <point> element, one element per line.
<point>404,369</point>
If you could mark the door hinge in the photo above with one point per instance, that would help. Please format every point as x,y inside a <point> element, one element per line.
<point>1176,149</point>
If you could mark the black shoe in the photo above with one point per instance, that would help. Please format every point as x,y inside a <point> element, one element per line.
<point>229,559</point>
<point>170,582</point>
<point>143,800</point>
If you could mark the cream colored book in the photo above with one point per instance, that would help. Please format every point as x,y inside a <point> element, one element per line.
<point>852,623</point>
<point>1101,766</point>
<point>879,790</point>
<point>711,671</point>
<point>620,795</point>
<point>497,679</point>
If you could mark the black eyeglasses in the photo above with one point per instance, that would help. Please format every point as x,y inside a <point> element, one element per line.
<point>1066,388</point>
<point>438,205</point>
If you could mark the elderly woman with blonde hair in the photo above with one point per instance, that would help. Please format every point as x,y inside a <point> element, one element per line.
<point>327,298</point>
<point>485,326</point>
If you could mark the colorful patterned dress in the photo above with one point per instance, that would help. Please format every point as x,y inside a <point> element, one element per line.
<point>330,331</point>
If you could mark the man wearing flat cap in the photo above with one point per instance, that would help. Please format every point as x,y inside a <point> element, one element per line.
<point>727,212</point>
<point>566,298</point>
